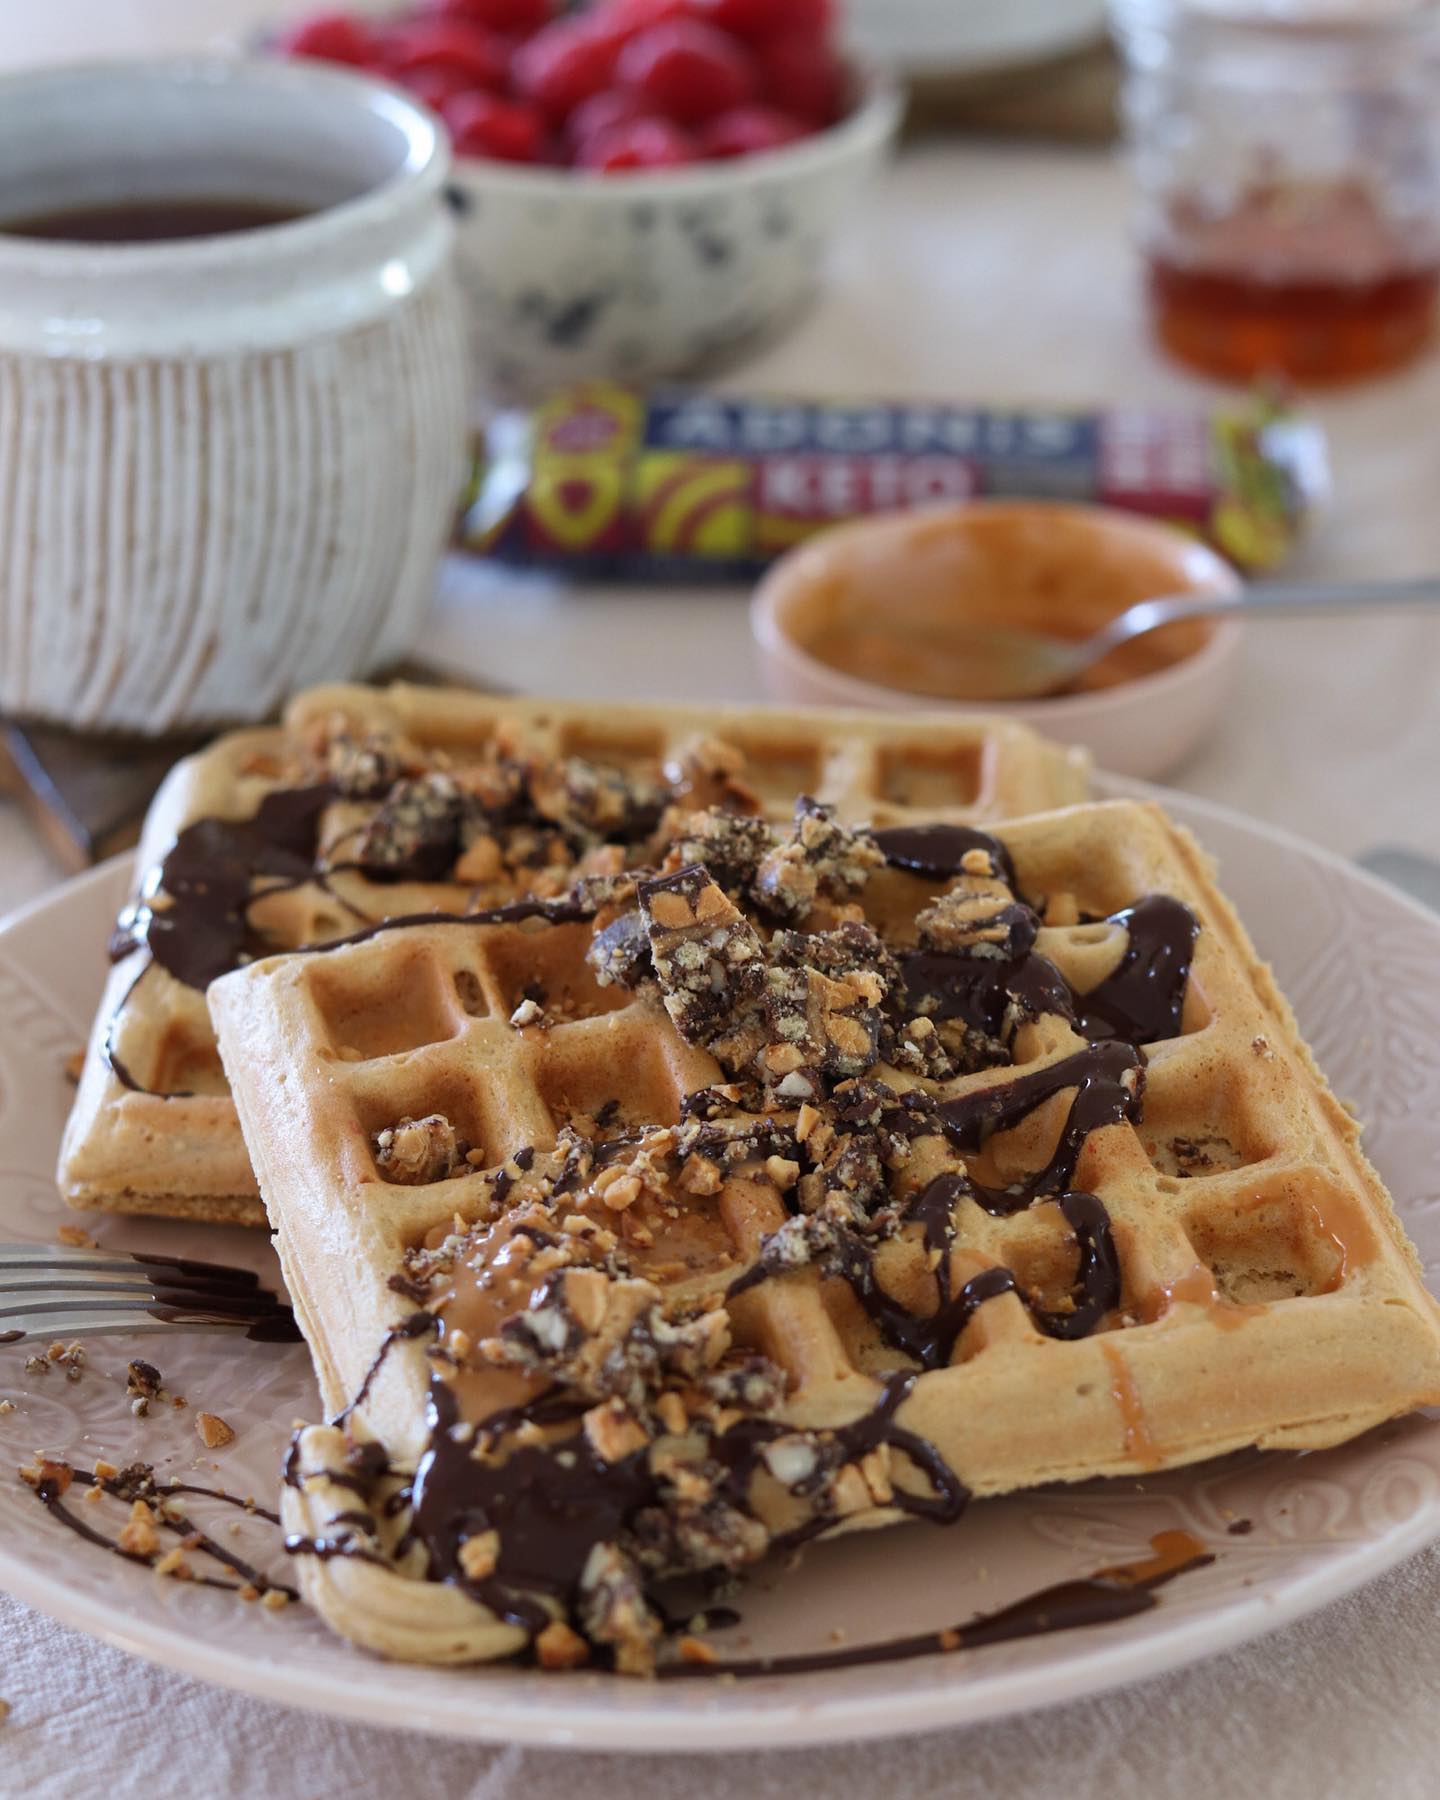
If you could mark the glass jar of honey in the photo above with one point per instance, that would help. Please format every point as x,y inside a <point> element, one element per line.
<point>1287,154</point>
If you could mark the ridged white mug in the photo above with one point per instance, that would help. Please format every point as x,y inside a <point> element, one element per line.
<point>227,463</point>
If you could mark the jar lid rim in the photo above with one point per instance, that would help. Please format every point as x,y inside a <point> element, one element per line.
<point>1308,14</point>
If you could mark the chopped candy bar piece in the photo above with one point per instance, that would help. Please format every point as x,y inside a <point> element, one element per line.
<point>619,953</point>
<point>709,960</point>
<point>822,857</point>
<point>415,836</point>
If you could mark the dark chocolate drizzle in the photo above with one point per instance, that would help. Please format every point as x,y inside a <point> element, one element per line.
<point>345,1544</point>
<point>1143,999</point>
<point>207,877</point>
<point>1140,1002</point>
<point>981,991</point>
<point>1103,1598</point>
<point>552,1504</point>
<point>415,1325</point>
<point>1097,1075</point>
<point>1101,1098</point>
<point>740,1451</point>
<point>50,1492</point>
<point>940,850</point>
<point>987,993</point>
<point>930,1338</point>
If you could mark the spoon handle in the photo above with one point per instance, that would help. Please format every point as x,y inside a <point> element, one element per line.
<point>1276,598</point>
<point>1336,596</point>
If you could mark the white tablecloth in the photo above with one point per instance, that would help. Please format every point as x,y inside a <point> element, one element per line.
<point>973,273</point>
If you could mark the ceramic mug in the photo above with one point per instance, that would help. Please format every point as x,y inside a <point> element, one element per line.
<point>228,463</point>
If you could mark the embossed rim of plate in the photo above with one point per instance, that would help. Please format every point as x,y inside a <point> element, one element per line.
<point>896,1699</point>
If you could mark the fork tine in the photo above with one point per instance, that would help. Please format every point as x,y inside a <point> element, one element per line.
<point>272,1327</point>
<point>136,1281</point>
<point>221,1305</point>
<point>60,1290</point>
<point>54,1256</point>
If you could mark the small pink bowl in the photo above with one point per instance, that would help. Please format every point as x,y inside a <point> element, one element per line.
<point>1037,557</point>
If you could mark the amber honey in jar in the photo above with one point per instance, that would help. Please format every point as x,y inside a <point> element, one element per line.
<point>1288,161</point>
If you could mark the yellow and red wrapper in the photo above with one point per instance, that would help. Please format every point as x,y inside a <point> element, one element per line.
<point>605,482</point>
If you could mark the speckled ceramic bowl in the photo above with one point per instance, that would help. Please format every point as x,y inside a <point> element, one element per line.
<point>647,276</point>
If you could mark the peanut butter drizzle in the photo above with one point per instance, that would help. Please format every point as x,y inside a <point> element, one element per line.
<point>1337,1218</point>
<point>1138,1441</point>
<point>492,1285</point>
<point>1174,1550</point>
<point>1196,1287</point>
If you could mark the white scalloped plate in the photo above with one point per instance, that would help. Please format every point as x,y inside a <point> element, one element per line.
<point>1362,966</point>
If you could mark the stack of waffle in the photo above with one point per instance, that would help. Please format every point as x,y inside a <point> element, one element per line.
<point>777,1178</point>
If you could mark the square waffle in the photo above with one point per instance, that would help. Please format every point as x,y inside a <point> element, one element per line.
<point>1120,1224</point>
<point>153,1128</point>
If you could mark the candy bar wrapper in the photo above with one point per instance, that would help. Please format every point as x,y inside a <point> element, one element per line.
<point>683,486</point>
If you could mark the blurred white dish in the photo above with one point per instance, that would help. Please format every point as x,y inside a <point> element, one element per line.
<point>971,37</point>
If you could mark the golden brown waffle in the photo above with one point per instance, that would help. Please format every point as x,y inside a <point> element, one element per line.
<point>170,1143</point>
<point>1267,1294</point>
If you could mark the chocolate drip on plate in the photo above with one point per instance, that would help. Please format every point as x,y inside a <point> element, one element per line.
<point>1099,1599</point>
<point>50,1491</point>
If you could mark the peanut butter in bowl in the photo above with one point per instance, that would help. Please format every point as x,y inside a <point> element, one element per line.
<point>896,611</point>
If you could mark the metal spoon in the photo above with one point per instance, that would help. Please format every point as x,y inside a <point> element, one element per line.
<point>1024,665</point>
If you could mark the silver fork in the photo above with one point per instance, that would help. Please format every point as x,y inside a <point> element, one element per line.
<point>52,1291</point>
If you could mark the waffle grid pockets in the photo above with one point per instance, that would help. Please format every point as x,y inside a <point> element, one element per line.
<point>1268,1294</point>
<point>177,1149</point>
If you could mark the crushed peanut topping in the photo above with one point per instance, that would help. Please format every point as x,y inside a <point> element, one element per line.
<point>416,1152</point>
<point>558,1647</point>
<point>214,1432</point>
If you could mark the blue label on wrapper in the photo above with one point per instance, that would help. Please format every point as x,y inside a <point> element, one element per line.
<point>716,425</point>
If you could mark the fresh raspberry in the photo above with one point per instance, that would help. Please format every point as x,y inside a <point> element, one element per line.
<point>603,112</point>
<point>436,87</point>
<point>687,70</point>
<point>801,74</point>
<point>333,37</point>
<point>518,16</point>
<point>449,45</point>
<point>642,144</point>
<point>503,130</point>
<point>747,130</point>
<point>755,20</point>
<point>563,65</point>
<point>627,17</point>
